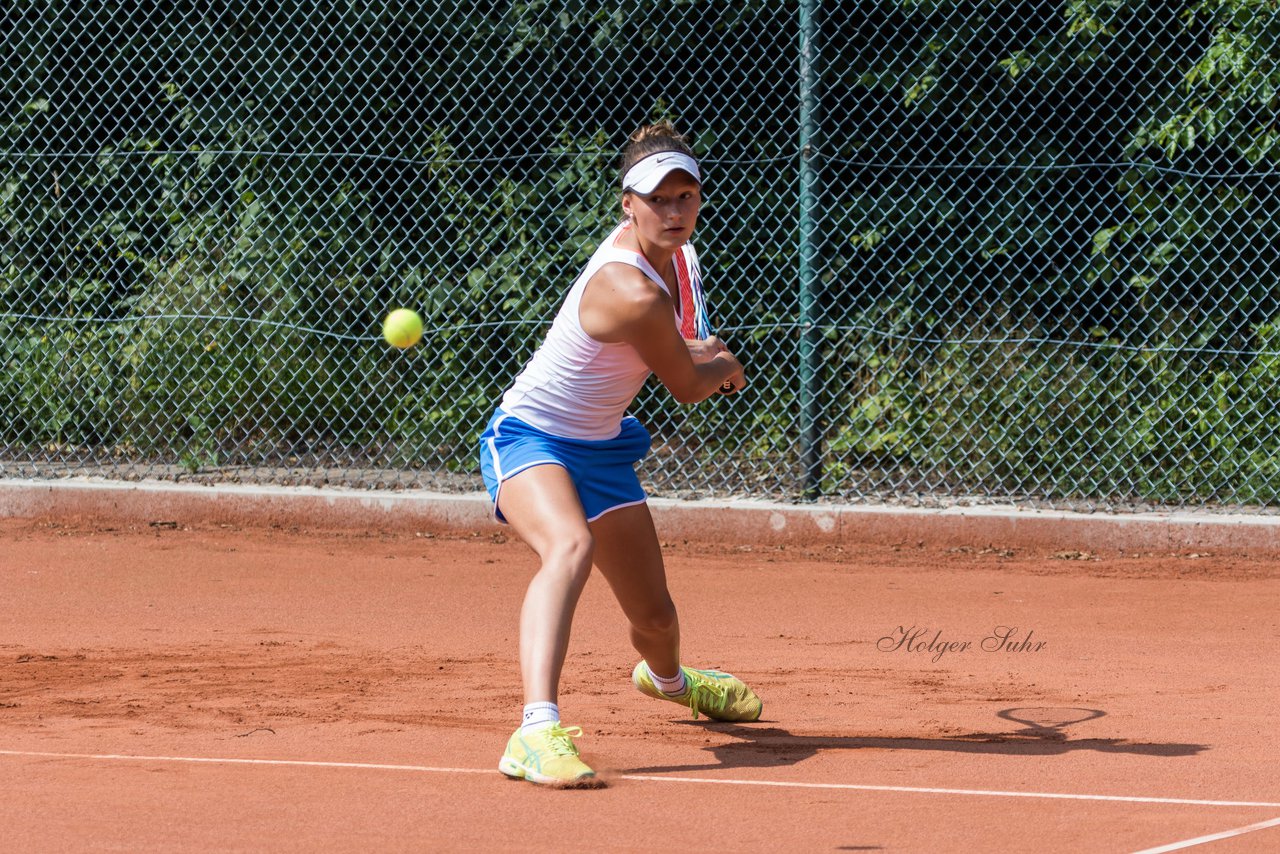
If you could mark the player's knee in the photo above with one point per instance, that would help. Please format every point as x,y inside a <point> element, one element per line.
<point>573,553</point>
<point>658,618</point>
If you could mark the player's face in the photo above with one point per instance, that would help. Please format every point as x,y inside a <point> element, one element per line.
<point>667,216</point>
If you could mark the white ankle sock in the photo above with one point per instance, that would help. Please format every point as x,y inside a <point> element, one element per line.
<point>540,716</point>
<point>673,686</point>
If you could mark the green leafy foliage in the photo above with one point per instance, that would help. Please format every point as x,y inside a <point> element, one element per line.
<point>1045,229</point>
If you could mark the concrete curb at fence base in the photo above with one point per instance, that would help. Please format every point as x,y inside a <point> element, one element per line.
<point>736,522</point>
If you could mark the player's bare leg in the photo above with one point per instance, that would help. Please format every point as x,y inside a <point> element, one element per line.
<point>629,556</point>
<point>542,506</point>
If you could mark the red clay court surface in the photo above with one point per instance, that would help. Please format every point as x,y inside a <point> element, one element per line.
<point>225,689</point>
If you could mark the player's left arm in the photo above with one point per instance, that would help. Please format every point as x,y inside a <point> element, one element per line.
<point>705,350</point>
<point>622,305</point>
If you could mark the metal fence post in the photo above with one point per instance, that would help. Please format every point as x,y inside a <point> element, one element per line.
<point>810,435</point>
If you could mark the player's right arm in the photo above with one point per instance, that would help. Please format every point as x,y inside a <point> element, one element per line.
<point>622,305</point>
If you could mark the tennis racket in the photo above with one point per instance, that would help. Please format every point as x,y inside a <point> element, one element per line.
<point>695,319</point>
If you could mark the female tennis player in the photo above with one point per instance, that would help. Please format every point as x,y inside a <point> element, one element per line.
<point>559,455</point>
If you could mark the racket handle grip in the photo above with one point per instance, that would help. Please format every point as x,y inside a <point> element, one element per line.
<point>726,387</point>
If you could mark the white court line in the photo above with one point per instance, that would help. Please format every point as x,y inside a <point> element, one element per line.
<point>934,791</point>
<point>1213,837</point>
<point>649,778</point>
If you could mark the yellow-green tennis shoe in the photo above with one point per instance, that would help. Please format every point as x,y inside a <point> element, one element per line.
<point>548,757</point>
<point>719,696</point>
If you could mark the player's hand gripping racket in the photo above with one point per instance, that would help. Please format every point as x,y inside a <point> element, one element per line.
<point>702,328</point>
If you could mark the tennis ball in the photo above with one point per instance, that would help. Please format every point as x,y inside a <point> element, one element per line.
<point>402,328</point>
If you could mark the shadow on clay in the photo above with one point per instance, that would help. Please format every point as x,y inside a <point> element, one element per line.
<point>1043,733</point>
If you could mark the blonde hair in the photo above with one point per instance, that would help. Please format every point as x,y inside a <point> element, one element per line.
<point>651,139</point>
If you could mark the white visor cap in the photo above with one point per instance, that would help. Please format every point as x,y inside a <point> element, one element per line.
<point>645,176</point>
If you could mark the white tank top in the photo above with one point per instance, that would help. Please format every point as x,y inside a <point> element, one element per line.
<point>575,386</point>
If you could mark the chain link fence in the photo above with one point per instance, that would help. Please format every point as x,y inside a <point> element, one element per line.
<point>968,250</point>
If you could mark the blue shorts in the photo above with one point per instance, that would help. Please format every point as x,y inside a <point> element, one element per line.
<point>603,471</point>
